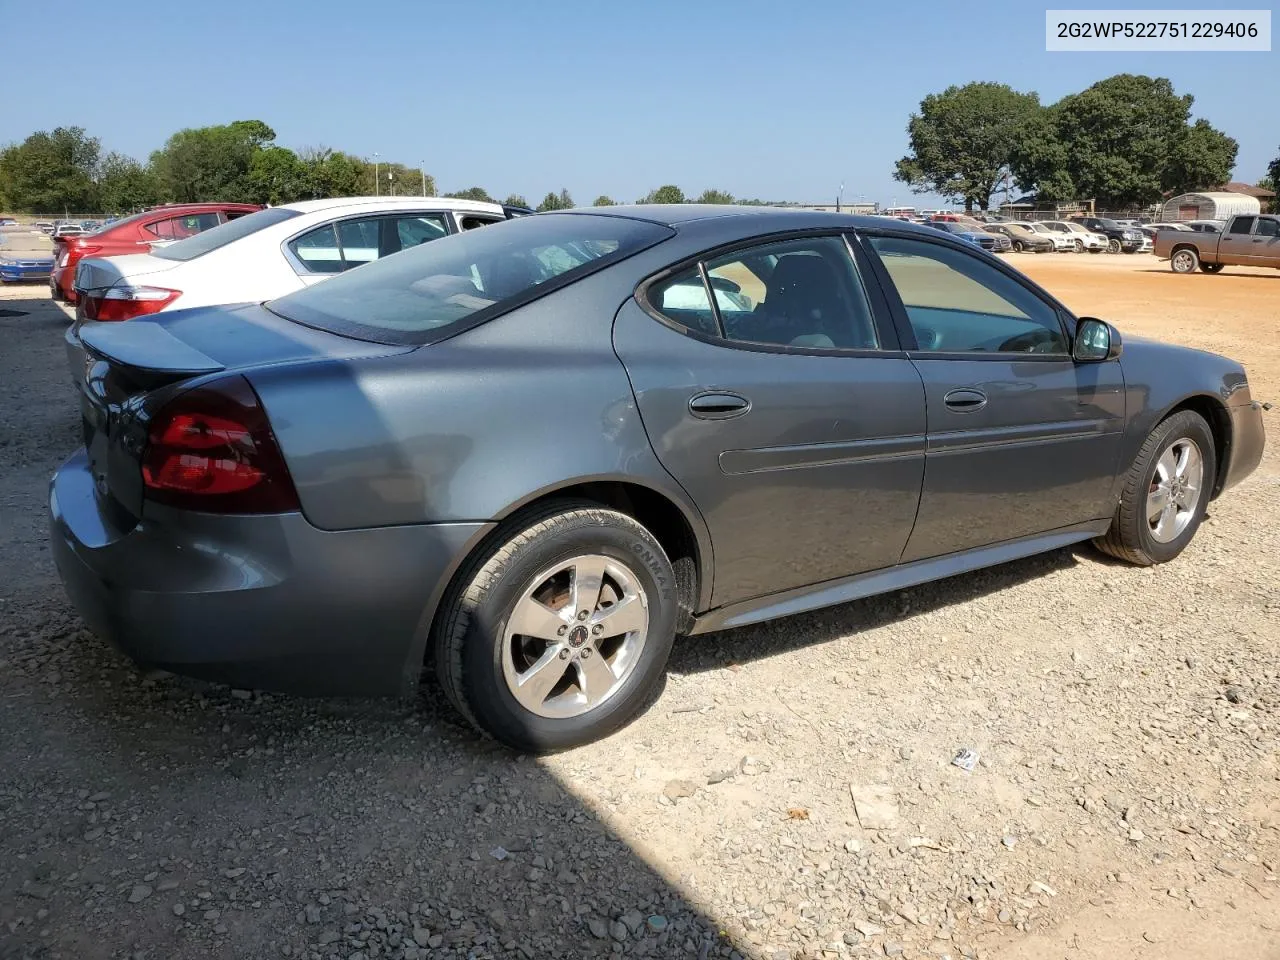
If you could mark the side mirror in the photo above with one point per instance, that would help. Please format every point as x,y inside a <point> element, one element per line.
<point>1096,341</point>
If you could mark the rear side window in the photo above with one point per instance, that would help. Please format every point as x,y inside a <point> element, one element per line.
<point>181,227</point>
<point>1267,228</point>
<point>683,298</point>
<point>226,233</point>
<point>339,246</point>
<point>436,288</point>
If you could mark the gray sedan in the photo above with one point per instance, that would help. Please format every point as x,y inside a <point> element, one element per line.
<point>529,456</point>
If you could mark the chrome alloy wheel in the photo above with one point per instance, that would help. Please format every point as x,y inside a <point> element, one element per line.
<point>1184,261</point>
<point>574,636</point>
<point>1175,490</point>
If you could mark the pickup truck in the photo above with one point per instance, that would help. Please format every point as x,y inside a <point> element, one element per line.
<point>1247,241</point>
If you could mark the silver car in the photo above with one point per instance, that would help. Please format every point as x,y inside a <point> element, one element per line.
<point>529,456</point>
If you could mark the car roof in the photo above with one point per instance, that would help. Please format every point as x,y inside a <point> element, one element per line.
<point>781,218</point>
<point>394,203</point>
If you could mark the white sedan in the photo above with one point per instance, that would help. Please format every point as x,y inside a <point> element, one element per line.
<point>1062,243</point>
<point>269,253</point>
<point>1082,238</point>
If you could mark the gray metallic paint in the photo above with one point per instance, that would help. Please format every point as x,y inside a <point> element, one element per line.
<point>405,460</point>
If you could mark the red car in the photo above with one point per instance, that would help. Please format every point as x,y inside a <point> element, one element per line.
<point>173,221</point>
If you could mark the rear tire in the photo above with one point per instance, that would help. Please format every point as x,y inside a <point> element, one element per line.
<point>531,576</point>
<point>1136,535</point>
<point>1185,260</point>
<point>1211,267</point>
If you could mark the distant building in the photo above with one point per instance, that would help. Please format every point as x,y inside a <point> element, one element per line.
<point>863,208</point>
<point>1261,194</point>
<point>1210,205</point>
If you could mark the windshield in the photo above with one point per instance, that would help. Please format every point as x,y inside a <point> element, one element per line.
<point>223,234</point>
<point>422,294</point>
<point>1109,224</point>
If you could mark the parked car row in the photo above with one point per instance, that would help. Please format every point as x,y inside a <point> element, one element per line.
<point>528,456</point>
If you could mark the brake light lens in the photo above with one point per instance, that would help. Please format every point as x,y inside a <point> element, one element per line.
<point>212,449</point>
<point>127,302</point>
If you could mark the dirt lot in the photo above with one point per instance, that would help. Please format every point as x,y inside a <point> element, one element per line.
<point>1127,802</point>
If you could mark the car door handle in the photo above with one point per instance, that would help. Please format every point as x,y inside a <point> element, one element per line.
<point>965,400</point>
<point>718,406</point>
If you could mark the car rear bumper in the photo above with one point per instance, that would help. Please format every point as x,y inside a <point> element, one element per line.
<point>268,602</point>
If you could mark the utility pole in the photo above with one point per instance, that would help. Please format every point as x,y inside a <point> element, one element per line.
<point>391,189</point>
<point>375,173</point>
<point>422,169</point>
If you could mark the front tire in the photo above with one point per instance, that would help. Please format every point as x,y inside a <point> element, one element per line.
<point>1079,245</point>
<point>559,633</point>
<point>1185,260</point>
<point>1017,246</point>
<point>1165,493</point>
<point>1113,246</point>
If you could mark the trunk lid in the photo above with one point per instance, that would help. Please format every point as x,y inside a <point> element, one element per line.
<point>124,372</point>
<point>98,273</point>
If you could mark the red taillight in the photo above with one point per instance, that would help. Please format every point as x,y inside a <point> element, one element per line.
<point>211,449</point>
<point>125,303</point>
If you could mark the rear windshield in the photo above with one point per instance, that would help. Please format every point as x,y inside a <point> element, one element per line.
<point>224,233</point>
<point>426,292</point>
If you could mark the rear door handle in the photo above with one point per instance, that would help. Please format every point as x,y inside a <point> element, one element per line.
<point>965,400</point>
<point>718,406</point>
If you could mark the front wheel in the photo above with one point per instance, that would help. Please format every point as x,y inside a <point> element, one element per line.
<point>1079,245</point>
<point>559,634</point>
<point>1211,267</point>
<point>1184,261</point>
<point>1165,493</point>
<point>1113,246</point>
<point>1017,246</point>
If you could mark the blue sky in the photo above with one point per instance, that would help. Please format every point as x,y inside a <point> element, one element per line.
<point>779,100</point>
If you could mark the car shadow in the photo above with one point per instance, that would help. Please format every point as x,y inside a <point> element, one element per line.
<point>1225,272</point>
<point>717,650</point>
<point>151,815</point>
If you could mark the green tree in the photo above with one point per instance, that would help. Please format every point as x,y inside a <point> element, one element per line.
<point>1203,157</point>
<point>211,163</point>
<point>556,201</point>
<point>125,185</point>
<point>1125,140</point>
<point>473,193</point>
<point>51,172</point>
<point>332,173</point>
<point>714,196</point>
<point>668,193</point>
<point>515,200</point>
<point>603,201</point>
<point>276,176</point>
<point>962,141</point>
<point>1272,181</point>
<point>398,180</point>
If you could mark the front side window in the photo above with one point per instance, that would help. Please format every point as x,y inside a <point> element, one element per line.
<point>435,288</point>
<point>1242,226</point>
<point>957,303</point>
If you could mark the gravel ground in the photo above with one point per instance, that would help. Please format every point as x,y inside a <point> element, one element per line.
<point>792,795</point>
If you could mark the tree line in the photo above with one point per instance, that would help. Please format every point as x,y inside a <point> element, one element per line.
<point>66,170</point>
<point>1125,141</point>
